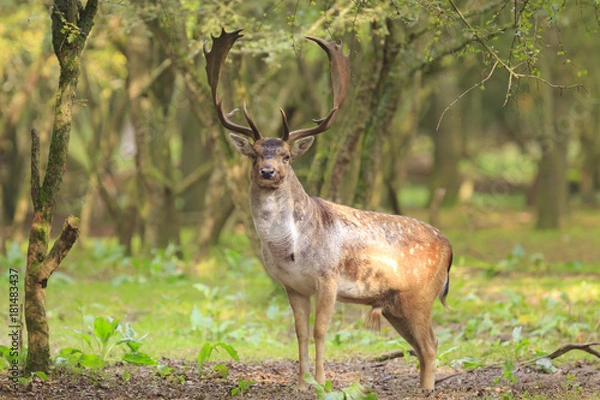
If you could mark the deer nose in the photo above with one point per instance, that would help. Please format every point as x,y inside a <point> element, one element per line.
<point>266,172</point>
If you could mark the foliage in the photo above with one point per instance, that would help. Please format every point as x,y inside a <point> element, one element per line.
<point>354,392</point>
<point>101,341</point>
<point>242,386</point>
<point>220,369</point>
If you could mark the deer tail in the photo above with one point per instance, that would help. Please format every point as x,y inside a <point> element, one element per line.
<point>446,288</point>
<point>373,319</point>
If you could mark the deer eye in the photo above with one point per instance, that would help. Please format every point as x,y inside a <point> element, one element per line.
<point>286,159</point>
<point>252,157</point>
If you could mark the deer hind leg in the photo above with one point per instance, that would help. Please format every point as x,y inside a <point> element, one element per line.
<point>301,309</point>
<point>416,328</point>
<point>325,305</point>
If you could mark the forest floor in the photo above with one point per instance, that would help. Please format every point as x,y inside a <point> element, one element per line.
<point>392,379</point>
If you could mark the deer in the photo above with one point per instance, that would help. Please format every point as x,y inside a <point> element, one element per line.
<point>395,264</point>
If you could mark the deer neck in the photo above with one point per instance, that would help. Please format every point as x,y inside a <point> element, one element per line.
<point>278,212</point>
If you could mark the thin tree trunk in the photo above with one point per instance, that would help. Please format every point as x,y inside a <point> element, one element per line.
<point>218,206</point>
<point>448,142</point>
<point>552,187</point>
<point>590,168</point>
<point>70,28</point>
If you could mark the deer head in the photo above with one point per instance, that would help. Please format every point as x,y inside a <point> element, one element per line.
<point>271,157</point>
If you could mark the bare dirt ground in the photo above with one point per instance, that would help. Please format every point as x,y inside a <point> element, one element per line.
<point>392,379</point>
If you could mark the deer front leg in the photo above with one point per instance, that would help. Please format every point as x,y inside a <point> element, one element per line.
<point>301,309</point>
<point>326,295</point>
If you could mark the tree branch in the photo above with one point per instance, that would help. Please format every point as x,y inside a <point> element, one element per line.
<point>587,347</point>
<point>393,354</point>
<point>86,18</point>
<point>479,84</point>
<point>201,172</point>
<point>59,250</point>
<point>511,72</point>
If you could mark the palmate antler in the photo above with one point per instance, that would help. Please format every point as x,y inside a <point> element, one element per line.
<point>339,68</point>
<point>214,63</point>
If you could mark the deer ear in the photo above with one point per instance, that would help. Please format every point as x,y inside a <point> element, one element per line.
<point>241,144</point>
<point>300,146</point>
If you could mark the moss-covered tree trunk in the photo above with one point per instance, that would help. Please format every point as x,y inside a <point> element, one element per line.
<point>71,24</point>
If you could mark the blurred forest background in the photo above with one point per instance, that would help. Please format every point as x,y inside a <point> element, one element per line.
<point>494,102</point>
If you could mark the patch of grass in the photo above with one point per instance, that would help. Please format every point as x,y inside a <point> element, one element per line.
<point>543,285</point>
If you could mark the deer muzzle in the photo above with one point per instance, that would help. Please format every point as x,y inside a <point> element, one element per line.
<point>267,172</point>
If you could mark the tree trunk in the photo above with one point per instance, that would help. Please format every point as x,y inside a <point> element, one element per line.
<point>448,142</point>
<point>218,206</point>
<point>384,104</point>
<point>552,186</point>
<point>590,173</point>
<point>342,169</point>
<point>590,147</point>
<point>151,112</point>
<point>70,28</point>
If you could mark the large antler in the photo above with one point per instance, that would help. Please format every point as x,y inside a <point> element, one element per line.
<point>214,63</point>
<point>339,69</point>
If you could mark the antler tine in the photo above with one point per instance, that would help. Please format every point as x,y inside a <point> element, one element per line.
<point>286,126</point>
<point>339,69</point>
<point>215,58</point>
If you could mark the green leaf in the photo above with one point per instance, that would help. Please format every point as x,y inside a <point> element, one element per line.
<point>134,345</point>
<point>470,363</point>
<point>91,361</point>
<point>545,365</point>
<point>508,372</point>
<point>68,351</point>
<point>41,374</point>
<point>222,370</point>
<point>356,391</point>
<point>335,396</point>
<point>516,334</point>
<point>104,330</point>
<point>163,370</point>
<point>244,384</point>
<point>199,321</point>
<point>230,350</point>
<point>84,336</point>
<point>139,359</point>
<point>5,352</point>
<point>319,390</point>
<point>204,353</point>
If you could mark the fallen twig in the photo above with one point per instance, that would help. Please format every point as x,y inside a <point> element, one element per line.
<point>587,347</point>
<point>393,354</point>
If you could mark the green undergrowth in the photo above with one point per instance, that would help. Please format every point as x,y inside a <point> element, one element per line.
<point>505,309</point>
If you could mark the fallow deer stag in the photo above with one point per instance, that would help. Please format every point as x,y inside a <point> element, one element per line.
<point>396,264</point>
